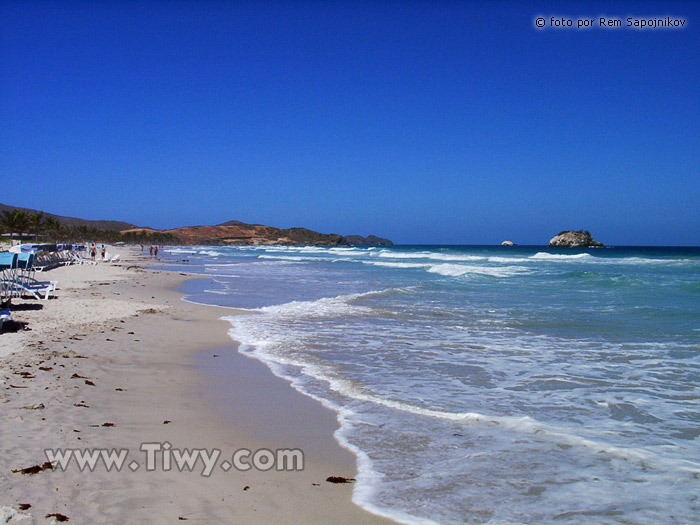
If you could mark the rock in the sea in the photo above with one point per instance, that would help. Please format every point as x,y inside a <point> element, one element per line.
<point>570,238</point>
<point>507,243</point>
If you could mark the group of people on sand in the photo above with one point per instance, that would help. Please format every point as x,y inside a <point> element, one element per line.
<point>93,251</point>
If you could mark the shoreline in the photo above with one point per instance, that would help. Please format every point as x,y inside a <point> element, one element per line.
<point>150,358</point>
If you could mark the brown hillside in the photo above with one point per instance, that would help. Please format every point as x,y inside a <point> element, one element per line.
<point>254,234</point>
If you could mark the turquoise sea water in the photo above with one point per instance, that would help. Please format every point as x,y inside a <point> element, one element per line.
<point>487,384</point>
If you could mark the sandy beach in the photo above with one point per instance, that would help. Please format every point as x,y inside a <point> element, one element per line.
<point>116,359</point>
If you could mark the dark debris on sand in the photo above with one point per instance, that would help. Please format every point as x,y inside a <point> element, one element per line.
<point>57,516</point>
<point>34,469</point>
<point>339,479</point>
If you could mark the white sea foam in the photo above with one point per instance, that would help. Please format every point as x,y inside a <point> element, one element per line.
<point>292,258</point>
<point>433,256</point>
<point>345,251</point>
<point>266,351</point>
<point>324,307</point>
<point>457,270</point>
<point>560,257</point>
<point>386,264</point>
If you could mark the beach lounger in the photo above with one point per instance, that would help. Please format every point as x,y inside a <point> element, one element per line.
<point>79,259</point>
<point>26,266</point>
<point>38,291</point>
<point>17,277</point>
<point>48,261</point>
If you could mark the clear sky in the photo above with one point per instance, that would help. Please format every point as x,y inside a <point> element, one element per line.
<point>425,122</point>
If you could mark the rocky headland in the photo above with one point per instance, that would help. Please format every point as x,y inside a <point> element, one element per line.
<point>370,240</point>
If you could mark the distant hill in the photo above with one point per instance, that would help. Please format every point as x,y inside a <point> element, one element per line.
<point>74,221</point>
<point>236,232</point>
<point>230,232</point>
<point>370,240</point>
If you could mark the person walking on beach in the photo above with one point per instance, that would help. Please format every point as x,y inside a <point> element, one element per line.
<point>151,250</point>
<point>93,251</point>
<point>104,252</point>
<point>156,251</point>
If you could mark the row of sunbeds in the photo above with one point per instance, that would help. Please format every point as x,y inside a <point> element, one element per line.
<point>18,275</point>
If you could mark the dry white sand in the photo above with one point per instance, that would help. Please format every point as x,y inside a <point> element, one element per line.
<point>117,345</point>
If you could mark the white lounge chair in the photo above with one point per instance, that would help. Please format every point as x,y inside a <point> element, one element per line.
<point>79,259</point>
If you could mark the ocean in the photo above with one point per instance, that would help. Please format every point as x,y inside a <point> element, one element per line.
<point>481,384</point>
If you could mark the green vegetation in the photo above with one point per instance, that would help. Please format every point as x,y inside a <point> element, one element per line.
<point>17,222</point>
<point>13,221</point>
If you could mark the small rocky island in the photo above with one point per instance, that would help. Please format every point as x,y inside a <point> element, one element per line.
<point>570,238</point>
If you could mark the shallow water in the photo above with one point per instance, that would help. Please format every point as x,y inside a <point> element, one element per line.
<point>487,384</point>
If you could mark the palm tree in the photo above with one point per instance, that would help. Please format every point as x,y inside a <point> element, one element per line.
<point>21,222</point>
<point>14,221</point>
<point>36,222</point>
<point>82,232</point>
<point>54,227</point>
<point>7,223</point>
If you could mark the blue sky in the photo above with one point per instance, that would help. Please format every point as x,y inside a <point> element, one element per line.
<point>426,122</point>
